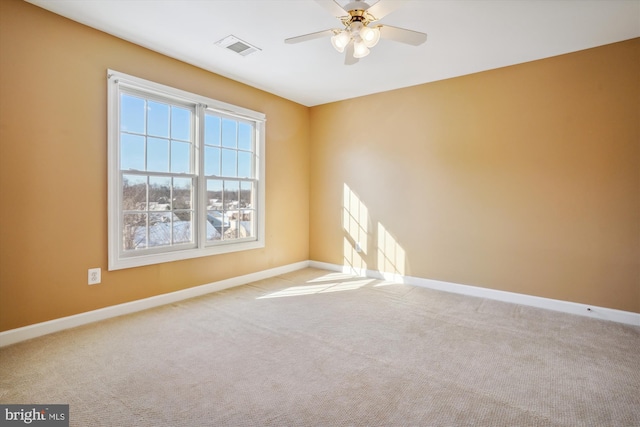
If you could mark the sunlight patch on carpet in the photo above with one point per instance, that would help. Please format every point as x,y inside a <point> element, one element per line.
<point>295,291</point>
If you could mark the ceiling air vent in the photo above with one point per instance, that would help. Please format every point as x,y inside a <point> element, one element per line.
<point>236,45</point>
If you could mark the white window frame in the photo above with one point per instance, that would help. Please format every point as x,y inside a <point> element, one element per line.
<point>118,259</point>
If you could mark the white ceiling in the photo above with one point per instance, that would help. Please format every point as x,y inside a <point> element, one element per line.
<point>464,36</point>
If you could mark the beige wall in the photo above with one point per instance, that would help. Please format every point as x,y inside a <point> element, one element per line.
<point>53,170</point>
<point>523,179</point>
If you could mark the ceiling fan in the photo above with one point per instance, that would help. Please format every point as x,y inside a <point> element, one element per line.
<point>358,35</point>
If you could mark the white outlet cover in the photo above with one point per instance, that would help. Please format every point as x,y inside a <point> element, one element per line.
<point>94,276</point>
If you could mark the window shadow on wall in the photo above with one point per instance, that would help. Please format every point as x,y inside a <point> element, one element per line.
<point>365,248</point>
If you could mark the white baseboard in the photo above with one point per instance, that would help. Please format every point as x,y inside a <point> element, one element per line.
<point>13,336</point>
<point>32,331</point>
<point>592,311</point>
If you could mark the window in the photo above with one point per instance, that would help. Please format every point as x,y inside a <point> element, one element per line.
<point>186,174</point>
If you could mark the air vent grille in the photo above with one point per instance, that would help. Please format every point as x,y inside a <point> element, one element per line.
<point>236,45</point>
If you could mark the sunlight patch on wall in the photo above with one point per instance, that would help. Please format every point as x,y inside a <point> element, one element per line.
<point>353,260</point>
<point>355,220</point>
<point>391,256</point>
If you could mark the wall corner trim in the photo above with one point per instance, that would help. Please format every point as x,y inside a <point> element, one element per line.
<point>13,336</point>
<point>601,313</point>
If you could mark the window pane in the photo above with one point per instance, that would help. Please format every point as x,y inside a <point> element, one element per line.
<point>211,161</point>
<point>246,227</point>
<point>231,202</point>
<point>182,193</point>
<point>156,218</point>
<point>134,193</point>
<point>157,155</point>
<point>246,194</point>
<point>229,133</point>
<point>182,227</point>
<point>180,123</point>
<point>231,191</point>
<point>132,113</point>
<point>214,194</point>
<point>217,223</point>
<point>244,164</point>
<point>160,229</point>
<point>229,163</point>
<point>134,231</point>
<point>131,152</point>
<point>157,119</point>
<point>180,157</point>
<point>234,223</point>
<point>211,130</point>
<point>159,193</point>
<point>244,136</point>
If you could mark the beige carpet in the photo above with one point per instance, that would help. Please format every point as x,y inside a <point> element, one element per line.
<point>315,348</point>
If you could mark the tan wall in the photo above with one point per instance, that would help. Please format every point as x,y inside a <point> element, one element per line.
<point>53,170</point>
<point>524,179</point>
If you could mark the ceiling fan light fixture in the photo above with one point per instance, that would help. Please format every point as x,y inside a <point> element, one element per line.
<point>340,41</point>
<point>360,32</point>
<point>370,36</point>
<point>360,50</point>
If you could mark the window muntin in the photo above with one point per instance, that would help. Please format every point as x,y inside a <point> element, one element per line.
<point>186,174</point>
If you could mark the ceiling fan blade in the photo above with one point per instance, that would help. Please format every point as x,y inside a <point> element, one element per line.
<point>349,59</point>
<point>333,8</point>
<point>384,7</point>
<point>402,35</point>
<point>311,36</point>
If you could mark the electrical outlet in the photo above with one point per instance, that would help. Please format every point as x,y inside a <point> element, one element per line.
<point>358,247</point>
<point>94,276</point>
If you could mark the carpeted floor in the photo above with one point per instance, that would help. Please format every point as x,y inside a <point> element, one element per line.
<point>315,348</point>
